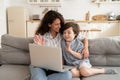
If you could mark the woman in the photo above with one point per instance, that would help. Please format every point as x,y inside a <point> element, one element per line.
<point>48,34</point>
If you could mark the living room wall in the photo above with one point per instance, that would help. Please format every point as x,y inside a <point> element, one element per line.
<point>71,9</point>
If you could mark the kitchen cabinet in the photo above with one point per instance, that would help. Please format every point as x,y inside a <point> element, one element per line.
<point>89,29</point>
<point>55,3</point>
<point>32,27</point>
<point>96,29</point>
<point>17,23</point>
<point>106,1</point>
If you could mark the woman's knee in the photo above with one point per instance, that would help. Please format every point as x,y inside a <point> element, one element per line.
<point>85,71</point>
<point>60,76</point>
<point>68,75</point>
<point>37,73</point>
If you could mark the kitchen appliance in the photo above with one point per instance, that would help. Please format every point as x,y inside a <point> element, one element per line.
<point>35,17</point>
<point>111,16</point>
<point>118,17</point>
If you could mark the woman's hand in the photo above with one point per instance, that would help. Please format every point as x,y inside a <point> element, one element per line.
<point>85,52</point>
<point>38,39</point>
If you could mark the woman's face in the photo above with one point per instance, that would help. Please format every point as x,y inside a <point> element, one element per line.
<point>68,34</point>
<point>55,26</point>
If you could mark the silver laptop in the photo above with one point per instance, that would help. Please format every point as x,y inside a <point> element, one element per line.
<point>47,57</point>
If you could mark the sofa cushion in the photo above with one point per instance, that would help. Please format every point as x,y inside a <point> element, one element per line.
<point>0,58</point>
<point>10,55</point>
<point>14,72</point>
<point>105,76</point>
<point>16,42</point>
<point>76,79</point>
<point>15,50</point>
<point>105,51</point>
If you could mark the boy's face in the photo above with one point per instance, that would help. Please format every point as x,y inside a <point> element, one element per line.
<point>68,34</point>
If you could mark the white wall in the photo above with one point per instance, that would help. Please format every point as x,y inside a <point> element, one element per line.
<point>72,9</point>
<point>76,9</point>
<point>3,28</point>
<point>3,17</point>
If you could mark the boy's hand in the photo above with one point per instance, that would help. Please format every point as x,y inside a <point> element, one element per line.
<point>68,46</point>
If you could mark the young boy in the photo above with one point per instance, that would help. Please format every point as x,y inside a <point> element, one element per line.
<point>72,52</point>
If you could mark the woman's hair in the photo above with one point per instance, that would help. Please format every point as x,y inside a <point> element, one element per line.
<point>49,18</point>
<point>75,27</point>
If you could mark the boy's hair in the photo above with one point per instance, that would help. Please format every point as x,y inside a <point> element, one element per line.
<point>74,26</point>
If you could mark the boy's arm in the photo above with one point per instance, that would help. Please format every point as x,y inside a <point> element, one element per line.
<point>85,50</point>
<point>74,53</point>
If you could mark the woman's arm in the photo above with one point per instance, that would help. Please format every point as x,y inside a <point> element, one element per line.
<point>85,50</point>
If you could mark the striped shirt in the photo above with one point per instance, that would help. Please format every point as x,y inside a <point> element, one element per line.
<point>77,46</point>
<point>50,41</point>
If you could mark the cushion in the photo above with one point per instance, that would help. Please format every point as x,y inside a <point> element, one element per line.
<point>17,42</point>
<point>0,58</point>
<point>14,72</point>
<point>105,51</point>
<point>15,50</point>
<point>105,76</point>
<point>103,46</point>
<point>10,55</point>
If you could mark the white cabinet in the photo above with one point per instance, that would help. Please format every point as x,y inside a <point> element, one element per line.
<point>106,1</point>
<point>17,17</point>
<point>32,27</point>
<point>46,2</point>
<point>97,29</point>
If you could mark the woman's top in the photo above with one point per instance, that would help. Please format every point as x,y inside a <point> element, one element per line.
<point>77,46</point>
<point>53,42</point>
<point>50,41</point>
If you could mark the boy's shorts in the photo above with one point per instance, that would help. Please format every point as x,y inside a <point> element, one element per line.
<point>85,64</point>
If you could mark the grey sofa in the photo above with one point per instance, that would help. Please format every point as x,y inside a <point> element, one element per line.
<point>15,59</point>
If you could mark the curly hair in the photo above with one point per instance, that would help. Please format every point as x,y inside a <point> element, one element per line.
<point>49,18</point>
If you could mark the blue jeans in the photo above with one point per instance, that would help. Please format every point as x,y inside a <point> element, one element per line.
<point>40,74</point>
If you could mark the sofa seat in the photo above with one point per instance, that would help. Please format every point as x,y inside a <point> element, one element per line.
<point>14,72</point>
<point>105,76</point>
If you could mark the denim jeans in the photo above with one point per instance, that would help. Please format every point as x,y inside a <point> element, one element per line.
<point>40,74</point>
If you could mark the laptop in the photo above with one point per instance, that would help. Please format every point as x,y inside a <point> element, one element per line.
<point>47,57</point>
